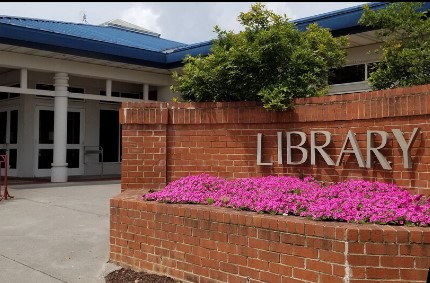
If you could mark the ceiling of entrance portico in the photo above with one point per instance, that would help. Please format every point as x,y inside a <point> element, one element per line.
<point>68,57</point>
<point>4,70</point>
<point>362,39</point>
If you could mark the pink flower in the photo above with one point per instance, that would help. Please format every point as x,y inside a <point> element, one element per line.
<point>356,201</point>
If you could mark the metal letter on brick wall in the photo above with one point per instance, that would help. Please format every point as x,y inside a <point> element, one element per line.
<point>259,151</point>
<point>407,162</point>
<point>320,149</point>
<point>279,147</point>
<point>299,146</point>
<point>355,149</point>
<point>370,148</point>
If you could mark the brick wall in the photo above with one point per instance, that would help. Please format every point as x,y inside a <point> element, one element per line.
<point>205,244</point>
<point>162,142</point>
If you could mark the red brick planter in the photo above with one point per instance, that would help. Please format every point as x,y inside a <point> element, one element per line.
<point>200,243</point>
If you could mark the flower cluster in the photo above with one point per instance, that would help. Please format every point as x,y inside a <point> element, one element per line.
<point>354,201</point>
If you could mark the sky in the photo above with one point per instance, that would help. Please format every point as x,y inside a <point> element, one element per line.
<point>185,22</point>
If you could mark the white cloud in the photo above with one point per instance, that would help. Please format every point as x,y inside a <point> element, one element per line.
<point>143,17</point>
<point>225,14</point>
<point>226,17</point>
<point>281,8</point>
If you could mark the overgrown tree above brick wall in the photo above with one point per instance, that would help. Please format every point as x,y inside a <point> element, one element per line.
<point>405,35</point>
<point>269,61</point>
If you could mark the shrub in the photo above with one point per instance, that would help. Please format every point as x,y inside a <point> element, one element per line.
<point>404,31</point>
<point>269,61</point>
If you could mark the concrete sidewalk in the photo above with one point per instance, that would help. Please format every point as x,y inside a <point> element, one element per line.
<point>56,232</point>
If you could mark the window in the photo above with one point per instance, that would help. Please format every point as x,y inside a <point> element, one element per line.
<point>69,89</point>
<point>13,131</point>
<point>12,158</point>
<point>371,67</point>
<point>109,135</point>
<point>46,157</point>
<point>113,93</point>
<point>46,137</point>
<point>123,94</point>
<point>350,74</point>
<point>132,95</point>
<point>75,89</point>
<point>3,125</point>
<point>45,87</point>
<point>9,135</point>
<point>73,127</point>
<point>46,127</point>
<point>7,95</point>
<point>4,95</point>
<point>153,95</point>
<point>72,158</point>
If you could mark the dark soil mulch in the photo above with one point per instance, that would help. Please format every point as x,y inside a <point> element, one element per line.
<point>129,276</point>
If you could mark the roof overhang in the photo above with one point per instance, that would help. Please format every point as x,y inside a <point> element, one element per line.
<point>175,58</point>
<point>345,21</point>
<point>55,42</point>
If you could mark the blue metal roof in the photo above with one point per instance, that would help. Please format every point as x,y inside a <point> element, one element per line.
<point>339,19</point>
<point>127,46</point>
<point>344,21</point>
<point>105,34</point>
<point>101,42</point>
<point>201,48</point>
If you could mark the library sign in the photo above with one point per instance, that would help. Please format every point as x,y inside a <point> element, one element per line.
<point>371,150</point>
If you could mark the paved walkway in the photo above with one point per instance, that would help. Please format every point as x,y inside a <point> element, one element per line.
<point>56,232</point>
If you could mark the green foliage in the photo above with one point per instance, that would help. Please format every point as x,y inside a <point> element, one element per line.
<point>404,33</point>
<point>269,61</point>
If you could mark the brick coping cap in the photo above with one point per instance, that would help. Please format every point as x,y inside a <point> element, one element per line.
<point>131,199</point>
<point>327,99</point>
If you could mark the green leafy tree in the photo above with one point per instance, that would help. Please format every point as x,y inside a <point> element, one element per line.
<point>269,61</point>
<point>404,32</point>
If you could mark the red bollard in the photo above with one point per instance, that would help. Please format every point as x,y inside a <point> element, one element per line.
<point>3,160</point>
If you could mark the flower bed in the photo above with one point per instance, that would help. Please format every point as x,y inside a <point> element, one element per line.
<point>354,201</point>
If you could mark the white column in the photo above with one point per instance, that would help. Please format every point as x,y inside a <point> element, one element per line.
<point>23,83</point>
<point>59,166</point>
<point>108,88</point>
<point>145,91</point>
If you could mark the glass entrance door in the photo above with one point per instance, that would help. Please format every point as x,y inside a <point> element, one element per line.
<point>9,138</point>
<point>44,147</point>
